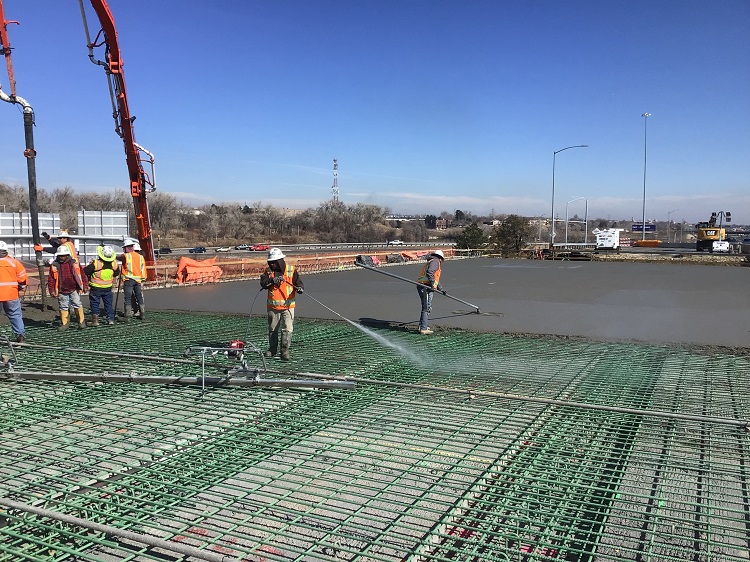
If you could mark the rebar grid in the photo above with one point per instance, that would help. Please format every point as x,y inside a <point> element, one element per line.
<point>381,473</point>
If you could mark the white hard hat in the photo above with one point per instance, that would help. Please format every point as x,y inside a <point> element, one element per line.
<point>128,242</point>
<point>3,246</point>
<point>63,251</point>
<point>439,253</point>
<point>63,234</point>
<point>107,253</point>
<point>137,247</point>
<point>275,254</point>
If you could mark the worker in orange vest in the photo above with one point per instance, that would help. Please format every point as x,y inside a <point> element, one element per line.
<point>12,280</point>
<point>283,283</point>
<point>133,274</point>
<point>430,282</point>
<point>64,239</point>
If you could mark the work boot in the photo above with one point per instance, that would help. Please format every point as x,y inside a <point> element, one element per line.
<point>81,318</point>
<point>273,344</point>
<point>142,315</point>
<point>94,320</point>
<point>65,320</point>
<point>20,338</point>
<point>425,331</point>
<point>111,322</point>
<point>286,340</point>
<point>128,313</point>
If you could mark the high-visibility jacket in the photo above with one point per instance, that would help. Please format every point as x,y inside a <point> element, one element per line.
<point>72,248</point>
<point>424,277</point>
<point>104,273</point>
<point>282,297</point>
<point>133,266</point>
<point>53,282</point>
<point>12,274</point>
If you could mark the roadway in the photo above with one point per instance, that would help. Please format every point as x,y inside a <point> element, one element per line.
<point>645,302</point>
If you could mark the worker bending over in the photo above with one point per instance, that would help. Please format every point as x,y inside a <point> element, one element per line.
<point>283,284</point>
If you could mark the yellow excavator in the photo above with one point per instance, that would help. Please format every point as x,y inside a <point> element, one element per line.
<point>707,232</point>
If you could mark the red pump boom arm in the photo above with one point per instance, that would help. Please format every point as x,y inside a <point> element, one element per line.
<point>124,124</point>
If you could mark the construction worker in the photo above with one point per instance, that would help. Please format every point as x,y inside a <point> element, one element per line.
<point>101,272</point>
<point>64,239</point>
<point>430,279</point>
<point>133,273</point>
<point>65,283</point>
<point>283,284</point>
<point>12,280</point>
<point>134,300</point>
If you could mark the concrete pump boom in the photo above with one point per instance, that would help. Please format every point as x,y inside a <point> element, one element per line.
<point>123,122</point>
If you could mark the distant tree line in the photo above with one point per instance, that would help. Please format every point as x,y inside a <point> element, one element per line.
<point>331,221</point>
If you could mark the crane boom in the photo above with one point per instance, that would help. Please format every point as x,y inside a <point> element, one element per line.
<point>124,124</point>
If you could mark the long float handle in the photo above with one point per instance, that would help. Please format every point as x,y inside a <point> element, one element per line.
<point>415,283</point>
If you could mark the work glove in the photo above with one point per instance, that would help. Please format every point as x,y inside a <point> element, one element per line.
<point>442,291</point>
<point>266,285</point>
<point>21,286</point>
<point>277,280</point>
<point>45,235</point>
<point>300,290</point>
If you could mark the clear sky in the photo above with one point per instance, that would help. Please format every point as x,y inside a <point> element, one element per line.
<point>428,106</point>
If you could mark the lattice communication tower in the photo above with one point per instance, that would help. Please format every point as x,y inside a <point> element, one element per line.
<point>335,186</point>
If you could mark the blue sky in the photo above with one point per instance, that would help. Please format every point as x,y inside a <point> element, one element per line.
<point>428,106</point>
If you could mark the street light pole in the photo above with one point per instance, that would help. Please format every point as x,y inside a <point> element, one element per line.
<point>566,217</point>
<point>586,223</point>
<point>552,215</point>
<point>668,223</point>
<point>643,223</point>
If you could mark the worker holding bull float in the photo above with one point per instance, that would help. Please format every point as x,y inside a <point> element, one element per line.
<point>283,284</point>
<point>430,277</point>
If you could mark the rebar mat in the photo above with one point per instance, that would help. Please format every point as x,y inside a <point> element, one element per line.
<point>456,446</point>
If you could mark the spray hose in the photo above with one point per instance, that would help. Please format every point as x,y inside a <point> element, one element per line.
<point>360,264</point>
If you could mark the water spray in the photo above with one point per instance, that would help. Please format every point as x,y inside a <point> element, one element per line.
<point>360,264</point>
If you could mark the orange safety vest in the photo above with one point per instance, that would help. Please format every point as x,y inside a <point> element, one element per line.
<point>72,248</point>
<point>423,276</point>
<point>103,276</point>
<point>281,297</point>
<point>12,273</point>
<point>134,267</point>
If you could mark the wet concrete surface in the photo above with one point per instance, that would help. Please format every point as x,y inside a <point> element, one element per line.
<point>657,303</point>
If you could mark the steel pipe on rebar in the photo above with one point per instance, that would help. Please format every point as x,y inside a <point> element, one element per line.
<point>551,401</point>
<point>185,381</point>
<point>187,550</point>
<point>416,283</point>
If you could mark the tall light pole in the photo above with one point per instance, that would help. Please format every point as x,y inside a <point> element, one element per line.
<point>668,223</point>
<point>552,215</point>
<point>645,125</point>
<point>566,216</point>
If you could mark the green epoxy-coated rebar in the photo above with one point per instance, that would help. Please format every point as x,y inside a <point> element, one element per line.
<point>519,466</point>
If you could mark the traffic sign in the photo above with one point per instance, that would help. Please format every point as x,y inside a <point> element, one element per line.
<point>639,228</point>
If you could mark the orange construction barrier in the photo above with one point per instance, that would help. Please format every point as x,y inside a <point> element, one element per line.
<point>198,271</point>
